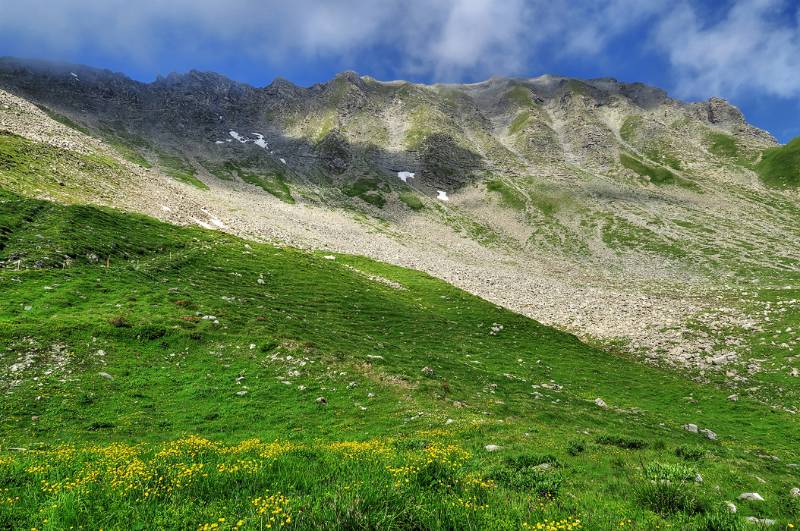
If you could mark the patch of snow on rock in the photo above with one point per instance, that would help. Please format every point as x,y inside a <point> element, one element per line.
<point>259,141</point>
<point>405,175</point>
<point>73,74</point>
<point>219,142</point>
<point>283,160</point>
<point>442,195</point>
<point>238,137</point>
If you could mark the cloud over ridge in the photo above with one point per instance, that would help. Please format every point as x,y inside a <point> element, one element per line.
<point>750,45</point>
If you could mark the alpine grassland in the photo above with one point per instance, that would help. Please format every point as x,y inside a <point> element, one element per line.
<point>162,377</point>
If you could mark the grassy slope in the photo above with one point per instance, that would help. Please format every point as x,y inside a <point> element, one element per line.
<point>780,166</point>
<point>130,297</point>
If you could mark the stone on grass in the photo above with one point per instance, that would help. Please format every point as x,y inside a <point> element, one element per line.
<point>731,506</point>
<point>105,375</point>
<point>691,428</point>
<point>427,371</point>
<point>709,434</point>
<point>795,492</point>
<point>322,401</point>
<point>760,521</point>
<point>241,393</point>
<point>750,496</point>
<point>601,403</point>
<point>491,447</point>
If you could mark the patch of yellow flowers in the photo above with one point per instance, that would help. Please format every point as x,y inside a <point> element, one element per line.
<point>565,524</point>
<point>402,474</point>
<point>362,449</point>
<point>273,510</point>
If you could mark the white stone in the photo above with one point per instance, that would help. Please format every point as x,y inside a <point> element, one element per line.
<point>751,496</point>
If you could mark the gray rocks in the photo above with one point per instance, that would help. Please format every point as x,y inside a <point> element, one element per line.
<point>750,496</point>
<point>731,506</point>
<point>693,428</point>
<point>491,447</point>
<point>709,434</point>
<point>105,375</point>
<point>241,393</point>
<point>427,371</point>
<point>760,521</point>
<point>795,492</point>
<point>322,401</point>
<point>601,403</point>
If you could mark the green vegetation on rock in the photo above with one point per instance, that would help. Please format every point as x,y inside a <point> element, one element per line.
<point>366,189</point>
<point>722,145</point>
<point>520,96</point>
<point>411,200</point>
<point>656,174</point>
<point>178,168</point>
<point>780,166</point>
<point>519,122</point>
<point>35,167</point>
<point>509,196</point>
<point>630,126</point>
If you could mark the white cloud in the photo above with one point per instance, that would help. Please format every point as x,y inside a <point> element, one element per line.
<point>755,46</point>
<point>448,39</point>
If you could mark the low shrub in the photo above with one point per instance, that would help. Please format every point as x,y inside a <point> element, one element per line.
<point>627,443</point>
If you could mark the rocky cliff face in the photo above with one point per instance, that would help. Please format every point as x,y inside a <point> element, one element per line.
<point>448,135</point>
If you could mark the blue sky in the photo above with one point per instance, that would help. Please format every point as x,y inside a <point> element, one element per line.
<point>747,51</point>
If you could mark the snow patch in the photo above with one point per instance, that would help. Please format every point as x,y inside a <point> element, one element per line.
<point>259,141</point>
<point>73,74</point>
<point>238,137</point>
<point>283,160</point>
<point>405,175</point>
<point>219,142</point>
<point>442,195</point>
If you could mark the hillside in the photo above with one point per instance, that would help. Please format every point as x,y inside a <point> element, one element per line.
<point>548,303</point>
<point>606,209</point>
<point>169,376</point>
